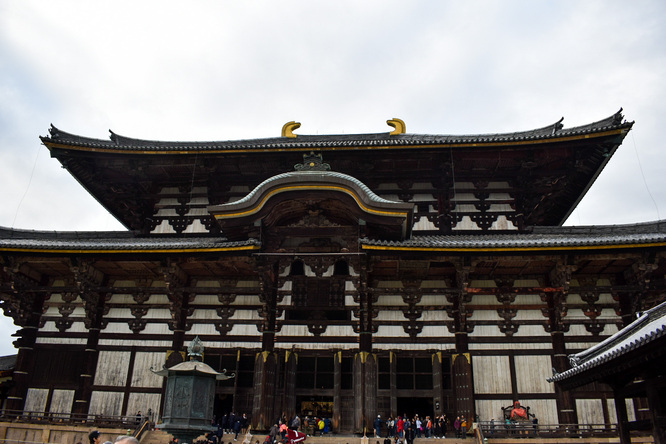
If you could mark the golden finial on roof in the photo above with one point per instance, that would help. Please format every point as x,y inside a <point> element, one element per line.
<point>288,128</point>
<point>399,125</point>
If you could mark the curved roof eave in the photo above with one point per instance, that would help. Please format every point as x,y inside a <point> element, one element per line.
<point>120,242</point>
<point>548,134</point>
<point>644,235</point>
<point>366,199</point>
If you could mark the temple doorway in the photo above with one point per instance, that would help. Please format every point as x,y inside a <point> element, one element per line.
<point>224,404</point>
<point>315,406</point>
<point>415,406</point>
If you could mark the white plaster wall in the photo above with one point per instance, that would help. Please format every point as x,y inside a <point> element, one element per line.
<point>435,331</point>
<point>112,368</point>
<point>390,331</point>
<point>339,330</point>
<point>434,315</point>
<point>142,402</point>
<point>135,342</point>
<point>70,341</point>
<point>204,329</point>
<point>106,403</point>
<point>492,374</point>
<point>544,409</point>
<point>485,315</point>
<point>118,327</point>
<point>386,315</point>
<point>531,374</point>
<point>390,300</point>
<point>245,315</point>
<point>612,413</point>
<point>35,400</point>
<point>141,374</point>
<point>590,411</point>
<point>249,329</point>
<point>62,401</point>
<point>205,299</point>
<point>486,330</point>
<point>529,315</point>
<point>246,300</point>
<point>531,330</point>
<point>510,346</point>
<point>491,409</point>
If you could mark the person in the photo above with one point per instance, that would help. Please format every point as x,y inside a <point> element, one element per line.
<point>126,439</point>
<point>492,426</point>
<point>377,426</point>
<point>244,423</point>
<point>283,430</point>
<point>400,429</point>
<point>327,426</point>
<point>295,423</point>
<point>273,433</point>
<point>321,425</point>
<point>535,425</point>
<point>419,426</point>
<point>138,417</point>
<point>94,437</point>
<point>463,427</point>
<point>456,426</point>
<point>237,426</point>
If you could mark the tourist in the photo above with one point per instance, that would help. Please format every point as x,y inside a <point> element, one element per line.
<point>94,437</point>
<point>418,425</point>
<point>237,427</point>
<point>463,427</point>
<point>377,426</point>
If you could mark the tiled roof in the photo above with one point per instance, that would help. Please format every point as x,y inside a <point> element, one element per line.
<point>649,327</point>
<point>540,237</point>
<point>554,131</point>
<point>112,241</point>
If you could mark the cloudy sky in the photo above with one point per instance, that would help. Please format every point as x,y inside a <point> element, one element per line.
<point>232,70</point>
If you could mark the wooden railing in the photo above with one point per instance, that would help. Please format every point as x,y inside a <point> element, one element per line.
<point>126,422</point>
<point>501,430</point>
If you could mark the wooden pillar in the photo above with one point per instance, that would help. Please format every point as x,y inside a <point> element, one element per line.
<point>94,307</point>
<point>437,394</point>
<point>393,377</point>
<point>622,418</point>
<point>263,406</point>
<point>25,306</point>
<point>265,363</point>
<point>464,387</point>
<point>289,399</point>
<point>657,409</point>
<point>463,382</point>
<point>365,389</point>
<point>337,391</point>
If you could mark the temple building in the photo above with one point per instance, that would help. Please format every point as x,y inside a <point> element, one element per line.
<point>343,276</point>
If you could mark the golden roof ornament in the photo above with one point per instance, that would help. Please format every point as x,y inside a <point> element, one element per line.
<point>289,127</point>
<point>399,125</point>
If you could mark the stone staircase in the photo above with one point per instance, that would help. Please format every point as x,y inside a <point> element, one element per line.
<point>157,437</point>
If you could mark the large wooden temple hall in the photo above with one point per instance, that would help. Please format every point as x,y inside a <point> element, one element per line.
<point>343,276</point>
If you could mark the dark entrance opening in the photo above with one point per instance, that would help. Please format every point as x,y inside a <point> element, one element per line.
<point>223,405</point>
<point>315,406</point>
<point>415,406</point>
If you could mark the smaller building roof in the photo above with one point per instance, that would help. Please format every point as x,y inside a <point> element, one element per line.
<point>112,241</point>
<point>649,328</point>
<point>543,238</point>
